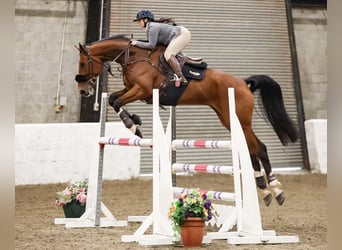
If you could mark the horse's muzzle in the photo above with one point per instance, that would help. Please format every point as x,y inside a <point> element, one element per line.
<point>88,93</point>
<point>84,93</point>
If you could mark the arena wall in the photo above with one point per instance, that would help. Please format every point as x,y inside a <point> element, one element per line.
<point>39,33</point>
<point>56,153</point>
<point>40,28</point>
<point>44,67</point>
<point>316,136</point>
<point>310,27</point>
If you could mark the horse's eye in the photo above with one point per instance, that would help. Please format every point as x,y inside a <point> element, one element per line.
<point>82,64</point>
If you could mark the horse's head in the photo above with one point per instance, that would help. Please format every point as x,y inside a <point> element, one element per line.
<point>89,68</point>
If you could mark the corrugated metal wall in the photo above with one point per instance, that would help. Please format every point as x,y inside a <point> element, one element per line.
<point>242,37</point>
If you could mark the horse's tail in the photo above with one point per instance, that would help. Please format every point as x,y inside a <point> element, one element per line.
<point>274,108</point>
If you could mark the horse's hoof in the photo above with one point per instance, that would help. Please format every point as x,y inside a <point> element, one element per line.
<point>261,183</point>
<point>136,119</point>
<point>280,198</point>
<point>138,133</point>
<point>268,199</point>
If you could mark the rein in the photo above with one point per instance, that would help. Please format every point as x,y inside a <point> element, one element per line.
<point>91,78</point>
<point>126,51</point>
<point>127,62</point>
<point>145,59</point>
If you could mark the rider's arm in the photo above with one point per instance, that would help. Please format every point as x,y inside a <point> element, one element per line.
<point>152,36</point>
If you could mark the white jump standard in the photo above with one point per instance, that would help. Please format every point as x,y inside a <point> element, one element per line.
<point>245,214</point>
<point>94,205</point>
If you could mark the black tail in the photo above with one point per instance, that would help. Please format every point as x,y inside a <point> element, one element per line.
<point>272,100</point>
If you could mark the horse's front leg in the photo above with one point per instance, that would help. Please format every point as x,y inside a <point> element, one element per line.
<point>117,94</point>
<point>131,121</point>
<point>135,118</point>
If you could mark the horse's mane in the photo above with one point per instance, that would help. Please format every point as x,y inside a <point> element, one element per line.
<point>124,37</point>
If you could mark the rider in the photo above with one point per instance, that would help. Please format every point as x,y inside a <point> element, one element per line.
<point>163,32</point>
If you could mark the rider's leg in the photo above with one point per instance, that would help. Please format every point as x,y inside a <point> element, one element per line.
<point>176,46</point>
<point>174,64</point>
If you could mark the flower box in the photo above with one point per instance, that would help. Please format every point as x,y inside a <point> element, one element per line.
<point>73,198</point>
<point>192,204</point>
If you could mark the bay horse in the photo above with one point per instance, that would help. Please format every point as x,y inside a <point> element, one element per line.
<point>141,73</point>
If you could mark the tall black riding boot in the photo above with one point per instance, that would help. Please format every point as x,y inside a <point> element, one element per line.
<point>174,64</point>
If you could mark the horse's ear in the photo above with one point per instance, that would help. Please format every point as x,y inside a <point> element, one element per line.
<point>77,47</point>
<point>81,48</point>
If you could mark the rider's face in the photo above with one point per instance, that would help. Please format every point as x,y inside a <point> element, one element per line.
<point>141,23</point>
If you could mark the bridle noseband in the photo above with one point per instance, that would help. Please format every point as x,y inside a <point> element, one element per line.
<point>91,77</point>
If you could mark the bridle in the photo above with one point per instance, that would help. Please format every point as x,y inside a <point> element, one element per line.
<point>90,78</point>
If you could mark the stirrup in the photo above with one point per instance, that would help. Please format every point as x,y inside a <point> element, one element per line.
<point>177,80</point>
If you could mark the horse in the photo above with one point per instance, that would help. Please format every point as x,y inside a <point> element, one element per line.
<point>141,72</point>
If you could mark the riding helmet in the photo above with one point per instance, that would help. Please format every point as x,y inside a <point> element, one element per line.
<point>144,14</point>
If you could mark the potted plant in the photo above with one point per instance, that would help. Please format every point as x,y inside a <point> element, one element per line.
<point>188,213</point>
<point>73,198</point>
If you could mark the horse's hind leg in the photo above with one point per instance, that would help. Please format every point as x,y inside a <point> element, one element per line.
<point>271,179</point>
<point>260,180</point>
<point>258,151</point>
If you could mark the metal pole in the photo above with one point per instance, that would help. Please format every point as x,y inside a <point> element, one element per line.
<point>173,137</point>
<point>96,104</point>
<point>101,155</point>
<point>58,107</point>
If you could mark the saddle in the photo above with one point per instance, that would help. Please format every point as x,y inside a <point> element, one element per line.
<point>183,58</point>
<point>191,69</point>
